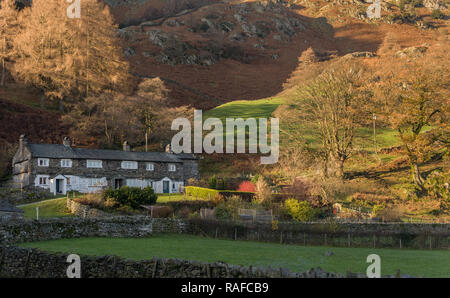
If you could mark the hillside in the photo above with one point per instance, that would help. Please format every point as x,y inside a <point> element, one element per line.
<point>211,52</point>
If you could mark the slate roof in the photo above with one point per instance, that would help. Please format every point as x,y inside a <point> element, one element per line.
<point>7,207</point>
<point>61,151</point>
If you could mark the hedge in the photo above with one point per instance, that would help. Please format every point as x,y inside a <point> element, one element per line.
<point>201,192</point>
<point>193,205</point>
<point>207,193</point>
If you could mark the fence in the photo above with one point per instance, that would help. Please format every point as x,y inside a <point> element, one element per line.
<point>255,215</point>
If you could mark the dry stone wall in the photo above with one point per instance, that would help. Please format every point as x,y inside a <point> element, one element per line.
<point>16,262</point>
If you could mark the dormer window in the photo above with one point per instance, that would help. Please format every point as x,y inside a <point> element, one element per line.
<point>96,164</point>
<point>172,167</point>
<point>150,166</point>
<point>66,163</point>
<point>129,165</point>
<point>43,162</point>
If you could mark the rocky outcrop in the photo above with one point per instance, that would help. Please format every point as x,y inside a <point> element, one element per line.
<point>208,35</point>
<point>416,51</point>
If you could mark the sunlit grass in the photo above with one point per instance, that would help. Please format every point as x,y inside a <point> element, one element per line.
<point>428,263</point>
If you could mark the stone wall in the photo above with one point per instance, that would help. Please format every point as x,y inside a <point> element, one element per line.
<point>18,262</point>
<point>85,211</point>
<point>136,226</point>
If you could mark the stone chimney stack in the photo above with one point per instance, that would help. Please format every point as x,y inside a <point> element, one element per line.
<point>66,141</point>
<point>23,141</point>
<point>126,147</point>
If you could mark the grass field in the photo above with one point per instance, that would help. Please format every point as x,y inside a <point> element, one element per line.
<point>262,108</point>
<point>47,209</point>
<point>296,258</point>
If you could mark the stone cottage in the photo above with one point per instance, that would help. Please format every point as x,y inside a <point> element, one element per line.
<point>61,168</point>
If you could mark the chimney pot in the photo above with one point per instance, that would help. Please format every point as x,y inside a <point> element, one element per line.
<point>66,141</point>
<point>126,147</point>
<point>169,148</point>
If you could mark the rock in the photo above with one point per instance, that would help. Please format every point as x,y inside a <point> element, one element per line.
<point>416,51</point>
<point>129,52</point>
<point>241,19</point>
<point>360,55</point>
<point>329,253</point>
<point>434,4</point>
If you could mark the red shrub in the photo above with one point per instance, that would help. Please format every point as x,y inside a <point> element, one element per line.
<point>246,186</point>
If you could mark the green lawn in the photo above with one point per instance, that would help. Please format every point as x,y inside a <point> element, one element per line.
<point>297,258</point>
<point>262,108</point>
<point>47,209</point>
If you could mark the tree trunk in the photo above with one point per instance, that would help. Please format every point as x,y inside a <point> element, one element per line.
<point>2,83</point>
<point>335,167</point>
<point>61,106</point>
<point>416,175</point>
<point>42,103</point>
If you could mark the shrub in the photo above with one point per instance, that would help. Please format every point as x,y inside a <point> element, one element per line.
<point>222,212</point>
<point>94,200</point>
<point>437,14</point>
<point>162,211</point>
<point>184,212</point>
<point>263,191</point>
<point>301,211</point>
<point>246,186</point>
<point>437,185</point>
<point>194,206</point>
<point>133,197</point>
<point>213,182</point>
<point>390,214</point>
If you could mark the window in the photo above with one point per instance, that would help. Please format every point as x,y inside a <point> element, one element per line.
<point>43,162</point>
<point>66,163</point>
<point>95,182</point>
<point>131,165</point>
<point>43,180</point>
<point>172,167</point>
<point>150,166</point>
<point>94,164</point>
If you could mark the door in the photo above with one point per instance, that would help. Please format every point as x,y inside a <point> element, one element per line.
<point>59,186</point>
<point>118,183</point>
<point>166,186</point>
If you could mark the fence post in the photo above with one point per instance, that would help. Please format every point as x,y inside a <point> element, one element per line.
<point>400,242</point>
<point>281,237</point>
<point>216,231</point>
<point>348,240</point>
<point>235,233</point>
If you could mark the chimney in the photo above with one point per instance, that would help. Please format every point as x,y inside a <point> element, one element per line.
<point>126,147</point>
<point>23,141</point>
<point>66,141</point>
<point>169,149</point>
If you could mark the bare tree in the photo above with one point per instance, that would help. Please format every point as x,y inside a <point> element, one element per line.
<point>333,103</point>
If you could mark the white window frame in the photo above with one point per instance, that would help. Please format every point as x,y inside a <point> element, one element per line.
<point>95,182</point>
<point>66,163</point>
<point>172,167</point>
<point>129,165</point>
<point>43,178</point>
<point>150,167</point>
<point>45,162</point>
<point>95,164</point>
